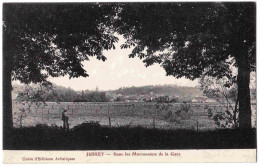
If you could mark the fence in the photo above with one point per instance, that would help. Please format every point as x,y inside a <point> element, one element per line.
<point>150,115</point>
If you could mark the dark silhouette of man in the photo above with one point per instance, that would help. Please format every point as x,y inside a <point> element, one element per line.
<point>65,119</point>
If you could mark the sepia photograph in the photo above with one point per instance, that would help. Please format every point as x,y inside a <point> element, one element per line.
<point>137,79</point>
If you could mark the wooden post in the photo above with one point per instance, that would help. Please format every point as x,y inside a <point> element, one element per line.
<point>95,109</point>
<point>154,122</point>
<point>42,115</point>
<point>109,120</point>
<point>198,141</point>
<point>197,122</point>
<point>48,115</point>
<point>21,120</point>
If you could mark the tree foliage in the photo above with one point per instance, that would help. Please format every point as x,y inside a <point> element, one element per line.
<point>224,91</point>
<point>37,96</point>
<point>52,93</point>
<point>53,39</point>
<point>187,38</point>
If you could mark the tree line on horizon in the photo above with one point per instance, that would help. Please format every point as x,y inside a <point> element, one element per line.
<point>63,94</point>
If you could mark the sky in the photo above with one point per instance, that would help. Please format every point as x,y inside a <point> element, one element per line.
<point>119,71</point>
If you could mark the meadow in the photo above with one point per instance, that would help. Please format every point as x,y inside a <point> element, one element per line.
<point>148,115</point>
<point>122,126</point>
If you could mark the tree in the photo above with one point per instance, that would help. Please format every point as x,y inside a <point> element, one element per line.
<point>189,38</point>
<point>37,95</point>
<point>120,98</point>
<point>223,91</point>
<point>96,96</point>
<point>41,40</point>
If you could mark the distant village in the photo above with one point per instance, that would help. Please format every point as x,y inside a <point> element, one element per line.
<point>161,98</point>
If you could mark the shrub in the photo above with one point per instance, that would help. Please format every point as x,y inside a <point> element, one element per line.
<point>183,113</point>
<point>90,124</point>
<point>223,119</point>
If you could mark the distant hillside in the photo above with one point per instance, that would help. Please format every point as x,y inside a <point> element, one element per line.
<point>157,90</point>
<point>68,94</point>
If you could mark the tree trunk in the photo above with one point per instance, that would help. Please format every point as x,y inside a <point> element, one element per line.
<point>243,80</point>
<point>235,115</point>
<point>7,98</point>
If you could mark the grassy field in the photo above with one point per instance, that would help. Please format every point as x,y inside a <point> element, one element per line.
<point>148,115</point>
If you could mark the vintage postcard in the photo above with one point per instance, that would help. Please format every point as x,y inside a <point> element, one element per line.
<point>112,82</point>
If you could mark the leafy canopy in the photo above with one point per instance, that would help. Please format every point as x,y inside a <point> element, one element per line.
<point>187,38</point>
<point>53,39</point>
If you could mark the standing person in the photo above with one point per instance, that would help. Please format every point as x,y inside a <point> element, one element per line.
<point>65,119</point>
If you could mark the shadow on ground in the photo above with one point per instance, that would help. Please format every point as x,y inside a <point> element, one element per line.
<point>91,136</point>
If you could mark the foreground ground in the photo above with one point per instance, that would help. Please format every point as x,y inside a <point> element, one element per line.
<point>91,136</point>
